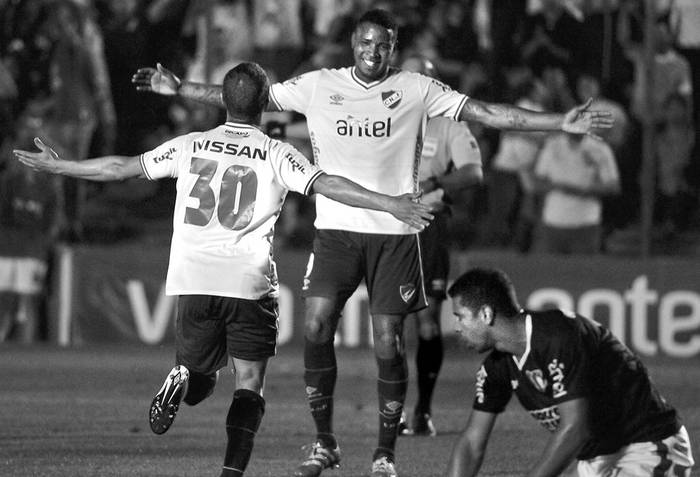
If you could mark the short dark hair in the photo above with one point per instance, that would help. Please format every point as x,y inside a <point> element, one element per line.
<point>485,286</point>
<point>246,90</point>
<point>379,17</point>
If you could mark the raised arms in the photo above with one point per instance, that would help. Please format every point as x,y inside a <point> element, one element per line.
<point>101,169</point>
<point>578,120</point>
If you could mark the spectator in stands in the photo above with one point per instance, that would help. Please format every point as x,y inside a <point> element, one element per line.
<point>671,70</point>
<point>127,44</point>
<point>674,145</point>
<point>513,210</point>
<point>278,35</point>
<point>29,225</point>
<point>617,210</point>
<point>574,172</point>
<point>80,99</point>
<point>552,36</point>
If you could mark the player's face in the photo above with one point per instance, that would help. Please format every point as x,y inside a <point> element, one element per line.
<point>372,47</point>
<point>471,327</point>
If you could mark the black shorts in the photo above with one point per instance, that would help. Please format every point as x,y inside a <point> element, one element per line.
<point>389,264</point>
<point>434,248</point>
<point>209,329</point>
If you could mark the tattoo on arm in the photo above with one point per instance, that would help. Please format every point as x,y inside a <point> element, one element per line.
<point>506,116</point>
<point>204,93</point>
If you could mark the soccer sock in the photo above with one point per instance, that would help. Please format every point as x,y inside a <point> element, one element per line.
<point>391,388</point>
<point>428,363</point>
<point>320,373</point>
<point>242,422</point>
<point>200,387</point>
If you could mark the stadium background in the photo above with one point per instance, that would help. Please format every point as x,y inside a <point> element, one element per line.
<point>73,402</point>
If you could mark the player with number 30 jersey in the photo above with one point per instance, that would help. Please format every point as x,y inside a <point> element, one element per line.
<point>232,182</point>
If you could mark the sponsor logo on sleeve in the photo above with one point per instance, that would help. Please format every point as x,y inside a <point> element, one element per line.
<point>296,165</point>
<point>166,156</point>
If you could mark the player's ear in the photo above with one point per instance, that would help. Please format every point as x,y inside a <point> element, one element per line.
<point>486,314</point>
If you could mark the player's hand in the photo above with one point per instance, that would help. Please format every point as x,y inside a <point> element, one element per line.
<point>156,80</point>
<point>581,120</point>
<point>409,210</point>
<point>45,160</point>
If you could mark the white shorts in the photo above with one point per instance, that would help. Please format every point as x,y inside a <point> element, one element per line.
<point>671,457</point>
<point>23,275</point>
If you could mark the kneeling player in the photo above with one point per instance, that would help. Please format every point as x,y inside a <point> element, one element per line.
<point>574,377</point>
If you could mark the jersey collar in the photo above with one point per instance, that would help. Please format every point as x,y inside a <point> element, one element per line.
<point>528,337</point>
<point>371,84</point>
<point>240,125</point>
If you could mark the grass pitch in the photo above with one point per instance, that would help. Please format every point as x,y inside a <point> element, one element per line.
<point>84,412</point>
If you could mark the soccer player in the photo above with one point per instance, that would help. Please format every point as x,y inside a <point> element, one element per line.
<point>450,162</point>
<point>231,184</point>
<point>368,122</point>
<point>573,376</point>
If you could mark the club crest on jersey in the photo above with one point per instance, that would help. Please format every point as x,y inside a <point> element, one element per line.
<point>407,292</point>
<point>537,378</point>
<point>391,99</point>
<point>337,99</point>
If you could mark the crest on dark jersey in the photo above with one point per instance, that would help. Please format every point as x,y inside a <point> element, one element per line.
<point>537,379</point>
<point>391,99</point>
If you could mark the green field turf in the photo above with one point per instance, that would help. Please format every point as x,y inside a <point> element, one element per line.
<point>83,412</point>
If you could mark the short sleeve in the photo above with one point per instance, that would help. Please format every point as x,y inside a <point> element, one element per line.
<point>163,161</point>
<point>293,170</point>
<point>440,99</point>
<point>568,363</point>
<point>295,93</point>
<point>492,388</point>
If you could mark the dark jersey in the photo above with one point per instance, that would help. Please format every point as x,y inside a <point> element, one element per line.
<point>569,357</point>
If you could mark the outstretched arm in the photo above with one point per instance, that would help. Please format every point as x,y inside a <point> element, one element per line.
<point>405,208</point>
<point>163,81</point>
<point>101,169</point>
<point>578,120</point>
<point>468,452</point>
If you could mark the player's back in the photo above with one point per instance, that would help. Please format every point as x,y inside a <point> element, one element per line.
<point>232,181</point>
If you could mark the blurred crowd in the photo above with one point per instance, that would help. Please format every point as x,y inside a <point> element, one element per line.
<point>66,67</point>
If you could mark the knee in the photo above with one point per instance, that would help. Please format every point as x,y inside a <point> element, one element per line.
<point>318,329</point>
<point>387,346</point>
<point>428,331</point>
<point>200,387</point>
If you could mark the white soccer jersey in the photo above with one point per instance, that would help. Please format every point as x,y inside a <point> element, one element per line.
<point>448,144</point>
<point>231,184</point>
<point>371,133</point>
